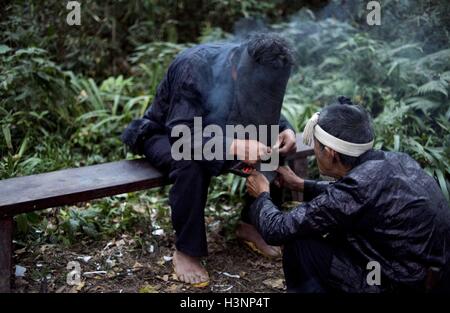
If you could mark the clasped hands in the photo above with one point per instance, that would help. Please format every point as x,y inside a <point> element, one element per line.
<point>257,183</point>
<point>252,151</point>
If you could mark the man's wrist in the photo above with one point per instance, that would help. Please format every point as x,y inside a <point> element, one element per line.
<point>267,190</point>
<point>288,129</point>
<point>300,184</point>
<point>264,193</point>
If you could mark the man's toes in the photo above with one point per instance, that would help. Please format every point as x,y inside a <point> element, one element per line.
<point>194,279</point>
<point>204,278</point>
<point>275,250</point>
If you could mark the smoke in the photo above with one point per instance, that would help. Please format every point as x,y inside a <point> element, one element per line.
<point>404,21</point>
<point>317,34</point>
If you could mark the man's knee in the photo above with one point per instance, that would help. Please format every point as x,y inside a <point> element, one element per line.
<point>157,152</point>
<point>306,264</point>
<point>289,252</point>
<point>188,170</point>
<point>312,254</point>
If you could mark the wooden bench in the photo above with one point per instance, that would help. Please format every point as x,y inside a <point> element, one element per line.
<point>69,186</point>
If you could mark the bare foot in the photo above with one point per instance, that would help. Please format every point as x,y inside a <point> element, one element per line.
<point>248,232</point>
<point>189,269</point>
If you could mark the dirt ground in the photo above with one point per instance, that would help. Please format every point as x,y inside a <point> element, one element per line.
<point>140,262</point>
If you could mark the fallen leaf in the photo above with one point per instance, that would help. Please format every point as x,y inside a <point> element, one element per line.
<point>84,258</point>
<point>46,247</point>
<point>148,289</point>
<point>94,273</point>
<point>201,285</point>
<point>20,251</point>
<point>173,288</point>
<point>77,288</point>
<point>230,275</point>
<point>158,232</point>
<point>111,263</point>
<point>80,286</point>
<point>137,266</point>
<point>276,283</point>
<point>222,288</point>
<point>121,242</point>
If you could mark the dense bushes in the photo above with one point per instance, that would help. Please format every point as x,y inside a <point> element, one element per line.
<point>66,93</point>
<point>110,30</point>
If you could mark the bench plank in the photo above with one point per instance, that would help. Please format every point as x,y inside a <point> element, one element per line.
<point>69,186</point>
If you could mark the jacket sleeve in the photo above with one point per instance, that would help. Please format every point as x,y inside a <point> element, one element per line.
<point>332,210</point>
<point>313,188</point>
<point>284,124</point>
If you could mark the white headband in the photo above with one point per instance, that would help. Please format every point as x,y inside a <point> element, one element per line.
<point>312,129</point>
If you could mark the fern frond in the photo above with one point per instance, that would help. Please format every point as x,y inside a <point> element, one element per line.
<point>433,86</point>
<point>421,103</point>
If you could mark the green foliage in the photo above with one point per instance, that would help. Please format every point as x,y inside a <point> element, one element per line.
<point>150,62</point>
<point>66,93</point>
<point>110,30</point>
<point>36,101</point>
<point>105,217</point>
<point>405,89</point>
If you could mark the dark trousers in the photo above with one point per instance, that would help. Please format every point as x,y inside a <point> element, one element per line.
<point>306,265</point>
<point>307,269</point>
<point>188,194</point>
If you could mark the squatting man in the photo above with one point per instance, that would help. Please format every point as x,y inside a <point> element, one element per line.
<point>224,84</point>
<point>382,207</point>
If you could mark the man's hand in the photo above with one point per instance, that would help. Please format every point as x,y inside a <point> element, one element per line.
<point>249,151</point>
<point>286,142</point>
<point>288,179</point>
<point>257,183</point>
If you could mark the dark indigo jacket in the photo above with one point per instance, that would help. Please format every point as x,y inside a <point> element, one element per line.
<point>386,209</point>
<point>197,83</point>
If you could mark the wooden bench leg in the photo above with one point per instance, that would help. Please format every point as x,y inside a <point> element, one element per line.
<point>6,229</point>
<point>300,167</point>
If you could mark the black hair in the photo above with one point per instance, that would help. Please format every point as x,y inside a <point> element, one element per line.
<point>270,49</point>
<point>347,121</point>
